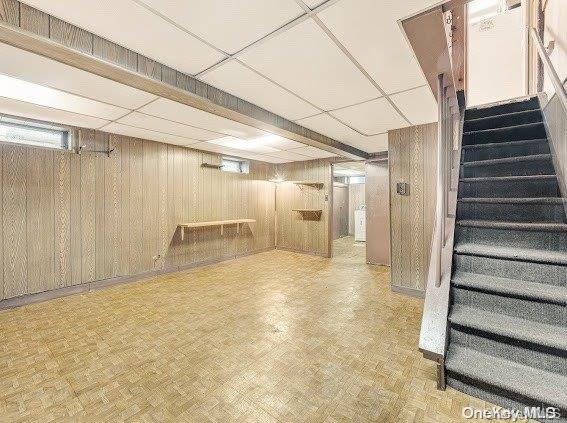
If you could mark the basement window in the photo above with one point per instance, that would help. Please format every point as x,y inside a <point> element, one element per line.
<point>19,131</point>
<point>230,164</point>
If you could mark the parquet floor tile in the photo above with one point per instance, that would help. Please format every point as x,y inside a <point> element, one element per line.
<point>274,337</point>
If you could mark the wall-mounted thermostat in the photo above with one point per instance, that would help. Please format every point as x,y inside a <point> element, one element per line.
<point>402,188</point>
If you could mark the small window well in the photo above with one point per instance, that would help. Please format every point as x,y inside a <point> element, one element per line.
<point>229,164</point>
<point>19,131</point>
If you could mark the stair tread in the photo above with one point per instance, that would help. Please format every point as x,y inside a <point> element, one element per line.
<point>514,159</point>
<point>528,382</point>
<point>503,115</point>
<point>512,253</point>
<point>504,128</point>
<point>503,144</point>
<point>512,287</point>
<point>521,226</point>
<point>510,326</point>
<point>510,178</point>
<point>514,200</point>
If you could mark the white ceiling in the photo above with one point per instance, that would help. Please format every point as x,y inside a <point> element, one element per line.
<point>297,58</point>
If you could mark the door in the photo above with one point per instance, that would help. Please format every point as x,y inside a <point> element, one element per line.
<point>340,210</point>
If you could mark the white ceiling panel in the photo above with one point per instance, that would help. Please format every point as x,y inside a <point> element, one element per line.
<point>131,131</point>
<point>418,105</point>
<point>37,69</point>
<point>372,144</point>
<point>254,146</point>
<point>277,160</point>
<point>228,24</point>
<point>372,117</point>
<point>135,27</point>
<point>242,82</point>
<point>33,111</point>
<point>227,151</point>
<point>278,142</point>
<point>329,126</point>
<point>312,4</point>
<point>289,156</point>
<point>369,30</point>
<point>305,60</point>
<point>141,120</point>
<point>314,153</point>
<point>49,97</point>
<point>182,113</point>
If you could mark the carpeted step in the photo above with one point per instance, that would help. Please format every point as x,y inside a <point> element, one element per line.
<point>503,108</point>
<point>533,291</point>
<point>509,133</point>
<point>510,186</point>
<point>537,164</point>
<point>501,150</point>
<point>528,271</point>
<point>512,253</point>
<point>552,337</point>
<point>532,209</point>
<point>507,378</point>
<point>538,236</point>
<point>503,120</point>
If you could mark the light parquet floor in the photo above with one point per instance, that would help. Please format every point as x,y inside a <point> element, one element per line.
<point>277,336</point>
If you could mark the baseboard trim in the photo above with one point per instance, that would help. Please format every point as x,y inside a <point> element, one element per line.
<point>411,292</point>
<point>119,280</point>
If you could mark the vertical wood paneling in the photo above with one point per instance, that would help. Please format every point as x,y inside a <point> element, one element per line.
<point>10,11</point>
<point>34,20</point>
<point>1,224</point>
<point>14,220</point>
<point>62,218</point>
<point>112,210</point>
<point>125,204</point>
<point>136,206</point>
<point>107,50</point>
<point>88,217</point>
<point>164,232</point>
<point>70,35</point>
<point>412,160</point>
<point>76,220</point>
<point>100,212</point>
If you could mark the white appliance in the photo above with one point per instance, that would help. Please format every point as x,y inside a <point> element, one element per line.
<point>360,225</point>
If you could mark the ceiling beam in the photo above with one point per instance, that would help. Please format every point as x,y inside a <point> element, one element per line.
<point>195,93</point>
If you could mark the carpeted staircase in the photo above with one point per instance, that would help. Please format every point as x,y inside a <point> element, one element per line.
<point>508,316</point>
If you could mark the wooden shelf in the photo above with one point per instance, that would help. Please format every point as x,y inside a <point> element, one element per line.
<point>310,214</point>
<point>317,185</point>
<point>221,223</point>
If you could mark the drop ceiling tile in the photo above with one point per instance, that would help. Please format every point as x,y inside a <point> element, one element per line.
<point>226,151</point>
<point>278,142</point>
<point>312,4</point>
<point>369,30</point>
<point>418,105</point>
<point>228,24</point>
<point>276,160</point>
<point>329,126</point>
<point>372,117</point>
<point>131,131</point>
<point>37,69</point>
<point>182,113</point>
<point>33,111</point>
<point>314,153</point>
<point>48,97</point>
<point>372,144</point>
<point>289,156</point>
<point>242,82</point>
<point>135,27</point>
<point>152,123</point>
<point>254,146</point>
<point>305,60</point>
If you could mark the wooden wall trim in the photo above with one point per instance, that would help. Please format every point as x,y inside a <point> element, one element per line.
<point>106,283</point>
<point>417,293</point>
<point>76,47</point>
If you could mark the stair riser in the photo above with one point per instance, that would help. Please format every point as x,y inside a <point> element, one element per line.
<point>502,121</point>
<point>521,106</point>
<point>524,168</point>
<point>494,395</point>
<point>525,309</point>
<point>519,212</point>
<point>541,240</point>
<point>532,272</point>
<point>544,358</point>
<point>515,133</point>
<point>510,189</point>
<point>505,151</point>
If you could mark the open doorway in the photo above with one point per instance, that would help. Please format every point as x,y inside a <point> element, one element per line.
<point>349,214</point>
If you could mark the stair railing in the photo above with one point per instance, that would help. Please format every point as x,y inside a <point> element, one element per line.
<point>433,335</point>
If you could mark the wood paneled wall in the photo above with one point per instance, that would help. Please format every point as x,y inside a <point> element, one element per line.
<point>412,159</point>
<point>69,219</point>
<point>377,213</point>
<point>293,233</point>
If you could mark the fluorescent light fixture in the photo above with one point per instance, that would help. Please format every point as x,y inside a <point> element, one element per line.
<point>48,97</point>
<point>253,145</point>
